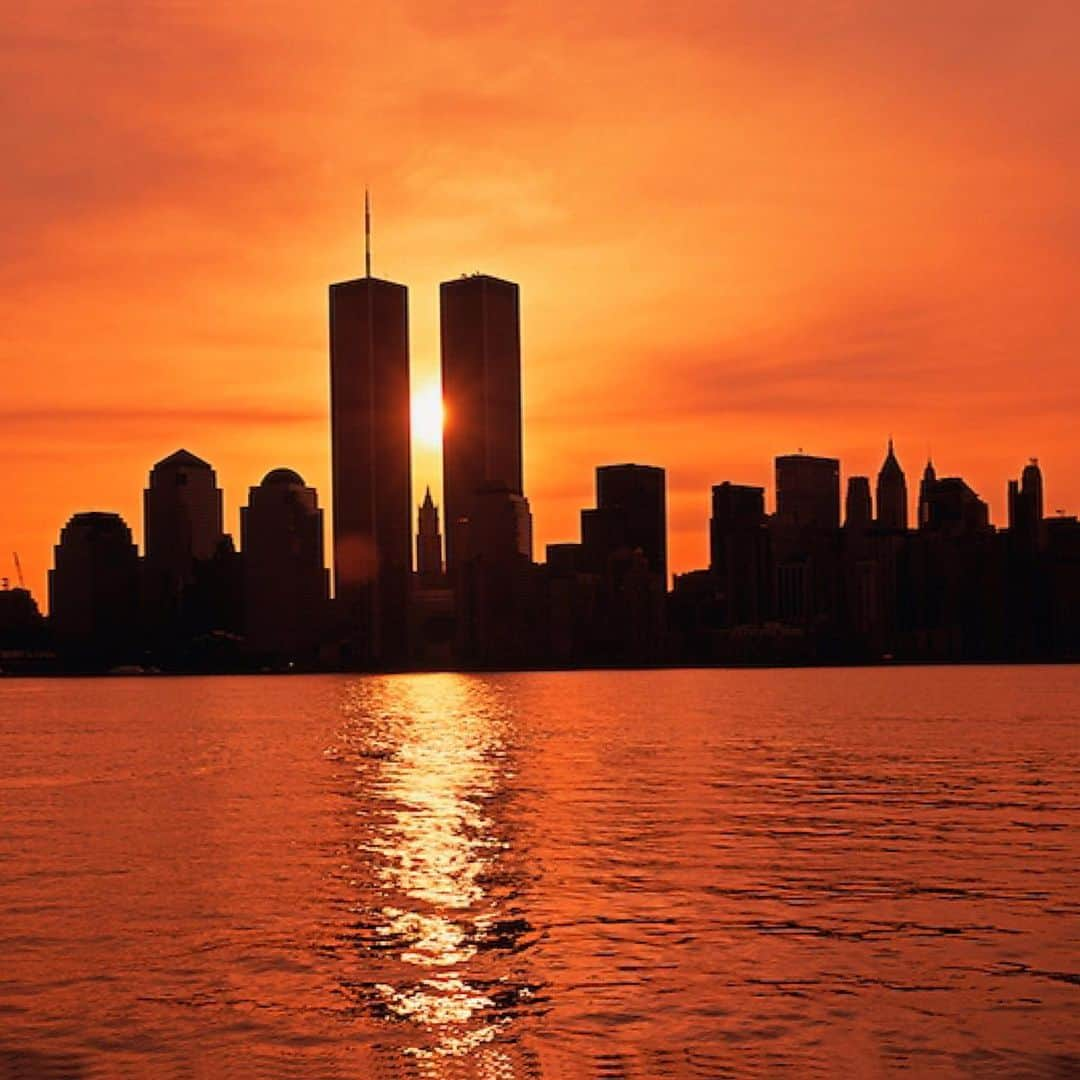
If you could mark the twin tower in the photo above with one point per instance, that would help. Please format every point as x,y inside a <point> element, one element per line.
<point>370,410</point>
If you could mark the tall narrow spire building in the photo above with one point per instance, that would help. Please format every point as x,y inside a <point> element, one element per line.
<point>428,542</point>
<point>892,509</point>
<point>370,435</point>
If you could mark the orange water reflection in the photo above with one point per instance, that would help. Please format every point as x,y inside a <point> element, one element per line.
<point>434,862</point>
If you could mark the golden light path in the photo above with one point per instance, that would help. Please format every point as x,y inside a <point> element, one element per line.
<point>435,749</point>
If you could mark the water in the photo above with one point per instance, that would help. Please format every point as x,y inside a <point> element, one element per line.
<point>619,875</point>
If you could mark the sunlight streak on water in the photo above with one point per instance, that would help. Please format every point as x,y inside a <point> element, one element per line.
<point>434,749</point>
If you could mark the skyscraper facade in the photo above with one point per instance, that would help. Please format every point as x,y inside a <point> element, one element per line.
<point>481,379</point>
<point>370,451</point>
<point>428,542</point>
<point>739,552</point>
<point>182,508</point>
<point>926,488</point>
<point>285,581</point>
<point>858,510</point>
<point>892,508</point>
<point>637,496</point>
<point>951,506</point>
<point>1026,505</point>
<point>182,517</point>
<point>808,491</point>
<point>94,587</point>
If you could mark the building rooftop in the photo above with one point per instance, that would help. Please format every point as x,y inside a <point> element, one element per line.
<point>352,283</point>
<point>282,476</point>
<point>477,277</point>
<point>183,457</point>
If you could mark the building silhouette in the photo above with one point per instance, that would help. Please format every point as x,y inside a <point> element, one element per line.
<point>634,499</point>
<point>808,491</point>
<point>858,511</point>
<point>493,581</point>
<point>429,565</point>
<point>739,554</point>
<point>949,505</point>
<point>892,504</point>
<point>630,514</point>
<point>21,626</point>
<point>182,507</point>
<point>794,586</point>
<point>94,590</point>
<point>285,581</point>
<point>182,526</point>
<point>482,441</point>
<point>1026,505</point>
<point>1029,616</point>
<point>1061,561</point>
<point>781,588</point>
<point>603,598</point>
<point>804,542</point>
<point>433,623</point>
<point>370,413</point>
<point>926,485</point>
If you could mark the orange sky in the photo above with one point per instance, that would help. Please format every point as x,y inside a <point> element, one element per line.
<point>740,228</point>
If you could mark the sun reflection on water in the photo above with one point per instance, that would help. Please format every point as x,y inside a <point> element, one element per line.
<point>433,861</point>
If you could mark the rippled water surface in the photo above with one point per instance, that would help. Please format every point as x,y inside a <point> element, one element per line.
<point>619,875</point>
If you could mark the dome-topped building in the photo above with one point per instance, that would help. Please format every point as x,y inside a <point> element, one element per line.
<point>284,477</point>
<point>94,588</point>
<point>285,579</point>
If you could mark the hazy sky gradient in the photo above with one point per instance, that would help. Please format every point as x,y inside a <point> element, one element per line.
<point>740,228</point>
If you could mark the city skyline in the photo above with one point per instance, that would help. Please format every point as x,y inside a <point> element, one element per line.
<point>840,508</point>
<point>427,473</point>
<point>805,583</point>
<point>375,310</point>
<point>881,241</point>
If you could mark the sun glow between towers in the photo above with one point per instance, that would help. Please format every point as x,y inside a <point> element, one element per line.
<point>428,415</point>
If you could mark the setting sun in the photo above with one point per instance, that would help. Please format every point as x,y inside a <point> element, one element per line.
<point>427,415</point>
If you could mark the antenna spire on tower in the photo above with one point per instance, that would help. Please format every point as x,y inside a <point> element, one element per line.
<point>367,233</point>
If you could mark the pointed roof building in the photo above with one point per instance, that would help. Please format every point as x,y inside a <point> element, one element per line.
<point>892,511</point>
<point>429,542</point>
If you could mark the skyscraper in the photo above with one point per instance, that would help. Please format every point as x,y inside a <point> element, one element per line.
<point>808,491</point>
<point>858,511</point>
<point>481,379</point>
<point>94,587</point>
<point>182,508</point>
<point>926,487</point>
<point>428,542</point>
<point>892,510</point>
<point>182,517</point>
<point>637,495</point>
<point>952,507</point>
<point>1026,505</point>
<point>739,552</point>
<point>285,580</point>
<point>370,436</point>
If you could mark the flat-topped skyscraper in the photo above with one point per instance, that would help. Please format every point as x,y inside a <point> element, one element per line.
<point>637,494</point>
<point>370,433</point>
<point>808,491</point>
<point>481,378</point>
